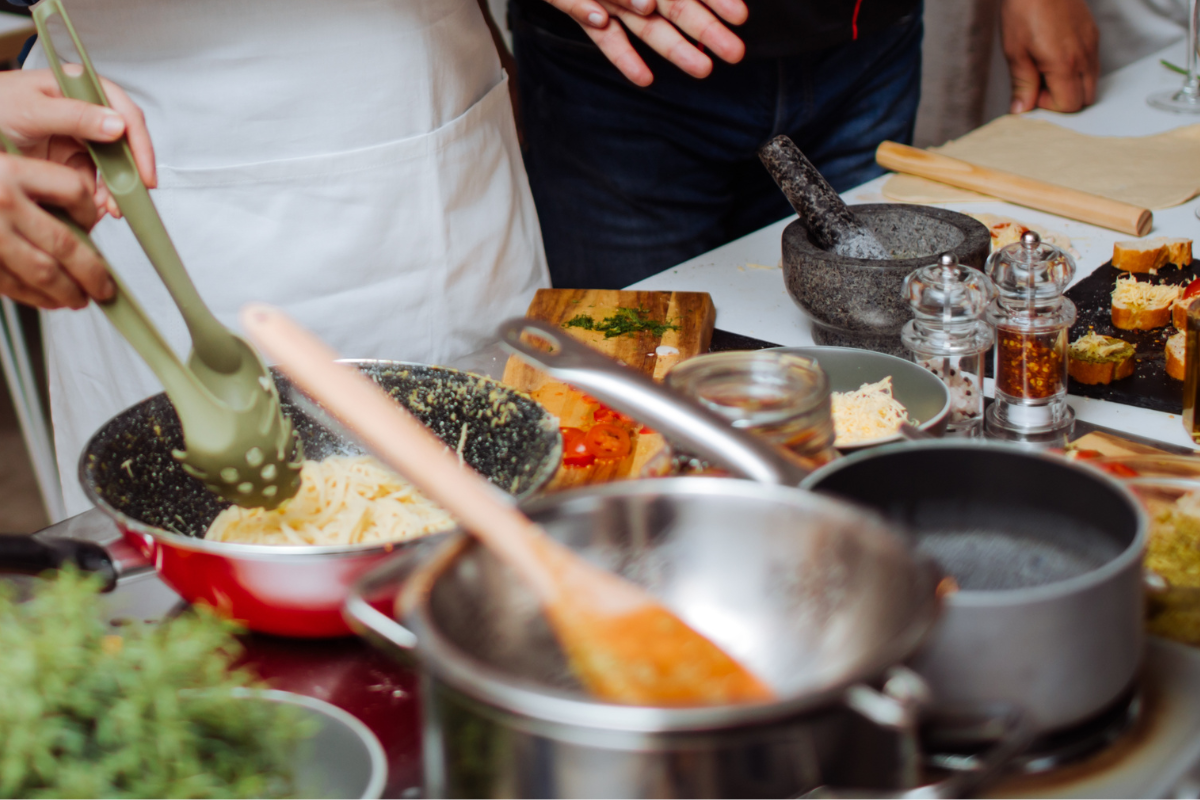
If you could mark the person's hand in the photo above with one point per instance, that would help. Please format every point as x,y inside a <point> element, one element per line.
<point>46,125</point>
<point>666,26</point>
<point>41,262</point>
<point>1053,52</point>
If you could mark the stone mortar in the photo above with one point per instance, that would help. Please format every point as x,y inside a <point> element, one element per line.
<point>856,302</point>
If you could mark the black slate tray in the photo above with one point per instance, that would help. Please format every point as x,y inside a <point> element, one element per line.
<point>1149,386</point>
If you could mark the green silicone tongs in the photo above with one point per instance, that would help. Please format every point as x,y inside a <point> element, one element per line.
<point>236,437</point>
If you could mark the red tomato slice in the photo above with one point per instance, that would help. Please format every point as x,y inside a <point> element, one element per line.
<point>1119,470</point>
<point>575,449</point>
<point>606,416</point>
<point>607,441</point>
<point>1192,290</point>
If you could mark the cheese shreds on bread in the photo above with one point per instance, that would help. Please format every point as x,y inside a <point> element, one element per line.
<point>1149,255</point>
<point>1141,305</point>
<point>1096,359</point>
<point>869,412</point>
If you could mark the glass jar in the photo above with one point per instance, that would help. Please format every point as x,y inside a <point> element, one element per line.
<point>948,335</point>
<point>1031,317</point>
<point>782,398</point>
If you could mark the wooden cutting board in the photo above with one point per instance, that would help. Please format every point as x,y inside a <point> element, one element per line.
<point>692,312</point>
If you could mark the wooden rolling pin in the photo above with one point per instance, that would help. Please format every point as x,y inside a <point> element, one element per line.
<point>1030,192</point>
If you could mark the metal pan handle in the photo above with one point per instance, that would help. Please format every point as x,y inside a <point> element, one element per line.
<point>680,419</point>
<point>380,588</point>
<point>898,707</point>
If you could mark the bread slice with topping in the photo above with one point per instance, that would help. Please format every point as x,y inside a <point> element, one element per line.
<point>1148,255</point>
<point>1179,308</point>
<point>1140,305</point>
<point>1176,351</point>
<point>1096,359</point>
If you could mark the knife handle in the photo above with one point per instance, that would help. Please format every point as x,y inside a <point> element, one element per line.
<point>1070,203</point>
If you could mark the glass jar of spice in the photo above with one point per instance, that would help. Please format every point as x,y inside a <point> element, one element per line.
<point>948,335</point>
<point>1031,317</point>
<point>780,397</point>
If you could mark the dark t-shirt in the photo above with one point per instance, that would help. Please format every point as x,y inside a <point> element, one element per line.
<point>775,28</point>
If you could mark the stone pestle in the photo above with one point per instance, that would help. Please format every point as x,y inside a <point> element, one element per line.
<point>831,224</point>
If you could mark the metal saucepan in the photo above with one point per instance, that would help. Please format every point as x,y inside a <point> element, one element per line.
<point>128,470</point>
<point>1047,555</point>
<point>1047,552</point>
<point>819,597</point>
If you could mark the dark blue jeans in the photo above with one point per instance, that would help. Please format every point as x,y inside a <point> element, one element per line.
<point>630,181</point>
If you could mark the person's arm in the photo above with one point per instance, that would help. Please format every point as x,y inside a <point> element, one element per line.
<point>41,262</point>
<point>1053,52</point>
<point>672,28</point>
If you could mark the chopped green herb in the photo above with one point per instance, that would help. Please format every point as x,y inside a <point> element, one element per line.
<point>622,322</point>
<point>92,710</point>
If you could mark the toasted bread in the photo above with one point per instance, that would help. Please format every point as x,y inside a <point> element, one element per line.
<point>1141,306</point>
<point>1179,311</point>
<point>1148,255</point>
<point>1096,359</point>
<point>1176,352</point>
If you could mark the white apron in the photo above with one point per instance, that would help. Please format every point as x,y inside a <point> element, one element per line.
<point>354,162</point>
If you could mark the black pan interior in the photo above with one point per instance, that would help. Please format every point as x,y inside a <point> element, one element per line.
<point>994,519</point>
<point>511,439</point>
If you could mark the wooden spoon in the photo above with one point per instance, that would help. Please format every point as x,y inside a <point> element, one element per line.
<point>622,644</point>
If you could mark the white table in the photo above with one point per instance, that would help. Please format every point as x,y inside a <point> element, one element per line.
<point>747,287</point>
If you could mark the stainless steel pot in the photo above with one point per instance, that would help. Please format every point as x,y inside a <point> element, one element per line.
<point>1047,553</point>
<point>1062,650</point>
<point>817,597</point>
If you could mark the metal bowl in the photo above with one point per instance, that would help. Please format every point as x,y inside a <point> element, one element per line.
<point>916,388</point>
<point>342,759</point>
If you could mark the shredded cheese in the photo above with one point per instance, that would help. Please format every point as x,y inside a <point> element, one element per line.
<point>1132,293</point>
<point>1096,346</point>
<point>869,412</point>
<point>343,500</point>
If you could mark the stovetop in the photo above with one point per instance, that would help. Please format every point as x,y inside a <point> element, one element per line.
<point>1155,755</point>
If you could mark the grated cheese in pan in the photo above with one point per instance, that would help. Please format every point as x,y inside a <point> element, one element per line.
<point>343,500</point>
<point>1132,293</point>
<point>869,412</point>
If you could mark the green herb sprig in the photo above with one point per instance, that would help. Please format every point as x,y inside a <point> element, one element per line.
<point>89,710</point>
<point>623,321</point>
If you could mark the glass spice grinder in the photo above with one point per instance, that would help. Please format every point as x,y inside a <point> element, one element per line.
<point>948,335</point>
<point>1031,317</point>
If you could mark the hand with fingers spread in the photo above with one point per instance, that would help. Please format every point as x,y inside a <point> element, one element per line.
<point>41,262</point>
<point>1053,52</point>
<point>672,28</point>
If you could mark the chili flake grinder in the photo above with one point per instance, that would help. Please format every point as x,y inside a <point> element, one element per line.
<point>1031,317</point>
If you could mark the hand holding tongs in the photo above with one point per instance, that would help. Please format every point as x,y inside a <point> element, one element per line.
<point>238,441</point>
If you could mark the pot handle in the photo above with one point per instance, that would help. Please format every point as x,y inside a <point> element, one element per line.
<point>679,418</point>
<point>29,555</point>
<point>898,707</point>
<point>381,587</point>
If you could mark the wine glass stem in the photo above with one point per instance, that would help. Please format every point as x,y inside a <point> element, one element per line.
<point>1193,80</point>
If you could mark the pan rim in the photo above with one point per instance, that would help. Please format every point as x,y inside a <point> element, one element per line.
<point>1005,598</point>
<point>544,705</point>
<point>265,552</point>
